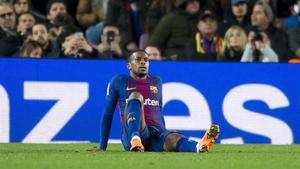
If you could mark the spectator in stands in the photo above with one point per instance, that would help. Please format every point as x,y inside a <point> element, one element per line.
<point>281,9</point>
<point>237,15</point>
<point>40,34</point>
<point>259,49</point>
<point>219,7</point>
<point>24,6</point>
<point>10,40</point>
<point>59,22</point>
<point>39,6</point>
<point>74,45</point>
<point>25,23</point>
<point>294,40</point>
<point>54,8</point>
<point>235,41</point>
<point>31,49</point>
<point>91,14</point>
<point>21,6</point>
<point>293,20</point>
<point>153,53</point>
<point>261,18</point>
<point>110,47</point>
<point>157,10</point>
<point>128,16</point>
<point>176,28</point>
<point>206,45</point>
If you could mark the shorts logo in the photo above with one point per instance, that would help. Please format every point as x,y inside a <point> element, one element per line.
<point>153,89</point>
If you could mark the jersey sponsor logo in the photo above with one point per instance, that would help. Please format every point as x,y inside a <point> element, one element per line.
<point>153,89</point>
<point>130,88</point>
<point>149,102</point>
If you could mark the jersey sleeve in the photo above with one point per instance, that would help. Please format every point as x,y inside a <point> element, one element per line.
<point>107,114</point>
<point>159,85</point>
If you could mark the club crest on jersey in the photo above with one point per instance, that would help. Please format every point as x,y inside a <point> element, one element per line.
<point>153,89</point>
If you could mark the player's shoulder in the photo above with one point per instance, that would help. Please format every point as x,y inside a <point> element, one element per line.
<point>120,78</point>
<point>156,78</point>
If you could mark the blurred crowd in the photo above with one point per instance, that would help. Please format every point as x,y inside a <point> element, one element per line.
<point>183,30</point>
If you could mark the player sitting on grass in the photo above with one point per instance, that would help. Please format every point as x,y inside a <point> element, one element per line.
<point>139,97</point>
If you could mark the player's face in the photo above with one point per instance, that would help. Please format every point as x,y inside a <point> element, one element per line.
<point>139,65</point>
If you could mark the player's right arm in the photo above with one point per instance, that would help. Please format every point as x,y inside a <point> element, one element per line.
<point>107,115</point>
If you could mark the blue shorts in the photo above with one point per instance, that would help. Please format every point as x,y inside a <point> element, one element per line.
<point>153,139</point>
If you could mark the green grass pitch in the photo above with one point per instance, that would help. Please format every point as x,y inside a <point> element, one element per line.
<point>87,156</point>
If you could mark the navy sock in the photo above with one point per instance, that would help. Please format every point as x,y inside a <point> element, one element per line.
<point>134,117</point>
<point>186,145</point>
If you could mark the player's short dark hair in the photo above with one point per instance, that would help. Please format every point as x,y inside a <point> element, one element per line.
<point>132,53</point>
<point>51,2</point>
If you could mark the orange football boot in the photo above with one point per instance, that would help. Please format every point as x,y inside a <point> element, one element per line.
<point>205,144</point>
<point>136,144</point>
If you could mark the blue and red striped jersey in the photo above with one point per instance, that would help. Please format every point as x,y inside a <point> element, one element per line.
<point>119,89</point>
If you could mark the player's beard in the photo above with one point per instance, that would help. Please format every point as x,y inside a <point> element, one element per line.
<point>141,74</point>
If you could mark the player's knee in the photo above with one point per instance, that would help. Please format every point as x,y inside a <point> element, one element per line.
<point>136,95</point>
<point>171,141</point>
